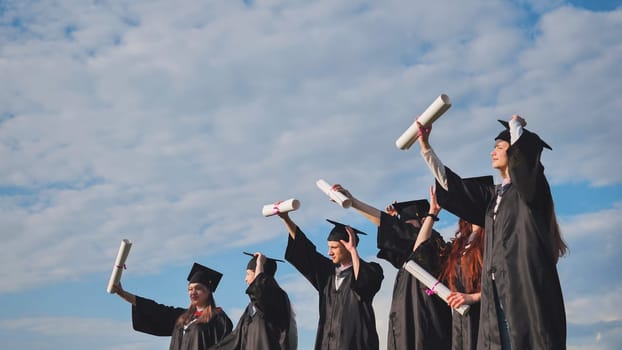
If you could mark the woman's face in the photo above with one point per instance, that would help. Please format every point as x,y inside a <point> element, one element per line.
<point>499,155</point>
<point>199,294</point>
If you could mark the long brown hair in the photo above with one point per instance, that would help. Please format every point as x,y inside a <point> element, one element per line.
<point>559,246</point>
<point>208,312</point>
<point>469,259</point>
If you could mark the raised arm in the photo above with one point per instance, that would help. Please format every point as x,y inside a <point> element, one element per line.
<point>426,228</point>
<point>125,295</point>
<point>372,214</point>
<point>434,163</point>
<point>291,226</point>
<point>351,247</point>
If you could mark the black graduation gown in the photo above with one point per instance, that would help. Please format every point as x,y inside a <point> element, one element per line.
<point>347,320</point>
<point>417,321</point>
<point>157,319</point>
<point>270,327</point>
<point>518,250</point>
<point>464,328</point>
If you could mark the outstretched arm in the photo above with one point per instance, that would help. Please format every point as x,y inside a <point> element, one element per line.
<point>372,214</point>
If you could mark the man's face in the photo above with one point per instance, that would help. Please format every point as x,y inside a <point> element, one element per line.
<point>250,277</point>
<point>499,155</point>
<point>338,253</point>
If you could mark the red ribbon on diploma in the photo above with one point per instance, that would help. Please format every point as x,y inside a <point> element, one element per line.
<point>431,291</point>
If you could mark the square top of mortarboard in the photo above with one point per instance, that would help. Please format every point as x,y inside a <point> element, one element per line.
<point>339,232</point>
<point>417,209</point>
<point>204,275</point>
<point>505,134</point>
<point>269,266</point>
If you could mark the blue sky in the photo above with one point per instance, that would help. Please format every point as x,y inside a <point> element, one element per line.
<point>172,124</point>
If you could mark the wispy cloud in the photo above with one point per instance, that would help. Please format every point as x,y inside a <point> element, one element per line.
<point>171,125</point>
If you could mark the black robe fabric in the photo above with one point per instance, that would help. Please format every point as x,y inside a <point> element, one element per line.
<point>347,320</point>
<point>464,327</point>
<point>518,250</point>
<point>157,319</point>
<point>270,327</point>
<point>417,321</point>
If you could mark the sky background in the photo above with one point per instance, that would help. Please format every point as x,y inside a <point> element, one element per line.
<point>172,123</point>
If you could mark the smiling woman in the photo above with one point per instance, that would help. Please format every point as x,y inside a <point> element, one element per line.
<point>198,327</point>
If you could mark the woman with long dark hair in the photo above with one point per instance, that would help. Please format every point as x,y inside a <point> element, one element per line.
<point>522,306</point>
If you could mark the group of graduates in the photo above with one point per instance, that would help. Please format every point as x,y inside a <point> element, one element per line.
<point>506,273</point>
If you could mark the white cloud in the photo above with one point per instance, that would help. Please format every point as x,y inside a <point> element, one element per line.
<point>171,125</point>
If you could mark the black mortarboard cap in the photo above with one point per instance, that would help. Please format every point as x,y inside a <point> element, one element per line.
<point>410,210</point>
<point>339,232</point>
<point>505,134</point>
<point>269,266</point>
<point>204,275</point>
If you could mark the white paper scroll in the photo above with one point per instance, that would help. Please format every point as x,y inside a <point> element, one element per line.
<point>429,116</point>
<point>337,196</point>
<point>119,264</point>
<point>434,285</point>
<point>283,207</point>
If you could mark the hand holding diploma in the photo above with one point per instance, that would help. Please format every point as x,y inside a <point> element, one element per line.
<point>434,285</point>
<point>429,116</point>
<point>119,265</point>
<point>280,207</point>
<point>334,195</point>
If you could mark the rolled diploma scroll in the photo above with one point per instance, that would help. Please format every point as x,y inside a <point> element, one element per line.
<point>429,116</point>
<point>283,207</point>
<point>338,197</point>
<point>432,283</point>
<point>119,264</point>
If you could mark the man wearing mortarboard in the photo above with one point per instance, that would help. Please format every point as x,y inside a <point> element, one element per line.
<point>417,320</point>
<point>197,327</point>
<point>268,322</point>
<point>521,298</point>
<point>346,285</point>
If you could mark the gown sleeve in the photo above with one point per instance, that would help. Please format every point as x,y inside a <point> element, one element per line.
<point>369,279</point>
<point>524,164</point>
<point>303,255</point>
<point>527,174</point>
<point>153,318</point>
<point>465,198</point>
<point>221,326</point>
<point>269,299</point>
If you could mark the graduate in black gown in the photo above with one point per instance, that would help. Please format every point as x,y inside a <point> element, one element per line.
<point>346,285</point>
<point>521,298</point>
<point>198,327</point>
<point>462,273</point>
<point>268,321</point>
<point>417,321</point>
